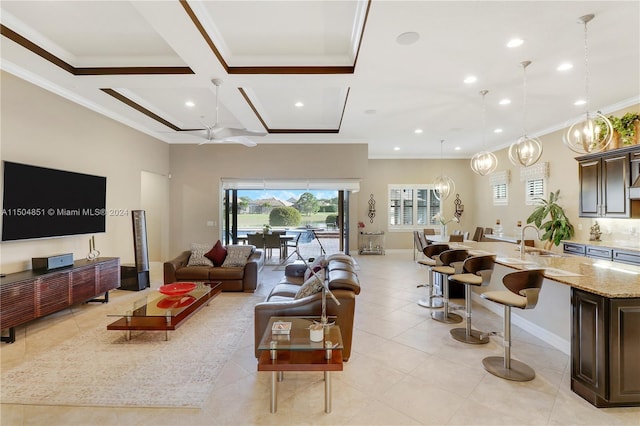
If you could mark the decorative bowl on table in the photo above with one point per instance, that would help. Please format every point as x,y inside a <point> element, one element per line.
<point>175,302</point>
<point>176,289</point>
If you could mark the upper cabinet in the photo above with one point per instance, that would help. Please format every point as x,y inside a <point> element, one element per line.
<point>604,184</point>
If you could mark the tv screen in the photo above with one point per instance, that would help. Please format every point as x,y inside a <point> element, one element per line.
<point>39,202</point>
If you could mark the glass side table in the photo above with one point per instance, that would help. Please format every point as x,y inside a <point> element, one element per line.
<point>296,352</point>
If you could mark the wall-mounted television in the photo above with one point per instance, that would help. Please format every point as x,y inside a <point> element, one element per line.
<point>40,202</point>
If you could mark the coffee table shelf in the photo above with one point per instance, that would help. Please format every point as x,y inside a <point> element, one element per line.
<point>157,312</point>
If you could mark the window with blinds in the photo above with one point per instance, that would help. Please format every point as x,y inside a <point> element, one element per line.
<point>412,206</point>
<point>500,194</point>
<point>535,188</point>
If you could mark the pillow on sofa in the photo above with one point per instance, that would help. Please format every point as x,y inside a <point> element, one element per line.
<point>197,255</point>
<point>217,254</point>
<point>311,286</point>
<point>237,255</point>
<point>316,266</point>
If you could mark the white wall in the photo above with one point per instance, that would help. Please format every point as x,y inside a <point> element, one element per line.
<point>43,129</point>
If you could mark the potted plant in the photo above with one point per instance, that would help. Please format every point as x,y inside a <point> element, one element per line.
<point>557,227</point>
<point>626,127</point>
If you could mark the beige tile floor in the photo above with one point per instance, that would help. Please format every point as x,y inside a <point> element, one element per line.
<point>404,369</point>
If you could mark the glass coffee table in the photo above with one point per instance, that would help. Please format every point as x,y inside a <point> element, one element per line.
<point>158,312</point>
<point>296,352</point>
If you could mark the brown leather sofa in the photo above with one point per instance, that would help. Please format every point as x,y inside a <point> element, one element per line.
<point>244,278</point>
<point>343,283</point>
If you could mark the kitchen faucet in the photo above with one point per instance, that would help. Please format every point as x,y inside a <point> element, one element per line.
<point>524,228</point>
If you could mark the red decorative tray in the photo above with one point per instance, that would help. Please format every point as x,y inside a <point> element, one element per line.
<point>176,289</point>
<point>174,302</point>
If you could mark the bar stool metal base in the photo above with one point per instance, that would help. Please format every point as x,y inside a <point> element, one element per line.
<point>430,304</point>
<point>474,337</point>
<point>519,371</point>
<point>446,317</point>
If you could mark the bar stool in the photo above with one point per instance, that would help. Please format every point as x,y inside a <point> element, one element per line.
<point>476,271</point>
<point>524,287</point>
<point>448,258</point>
<point>431,252</point>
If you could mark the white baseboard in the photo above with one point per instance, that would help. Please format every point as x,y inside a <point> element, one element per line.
<point>537,331</point>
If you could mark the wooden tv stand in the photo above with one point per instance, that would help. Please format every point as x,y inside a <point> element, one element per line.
<point>27,295</point>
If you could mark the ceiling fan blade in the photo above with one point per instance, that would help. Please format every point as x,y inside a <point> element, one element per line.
<point>241,139</point>
<point>227,132</point>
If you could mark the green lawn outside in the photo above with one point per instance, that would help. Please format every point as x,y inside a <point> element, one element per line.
<point>249,220</point>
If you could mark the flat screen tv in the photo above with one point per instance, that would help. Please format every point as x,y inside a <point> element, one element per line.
<point>39,202</point>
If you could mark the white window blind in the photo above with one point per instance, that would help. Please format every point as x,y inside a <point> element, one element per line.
<point>535,188</point>
<point>499,186</point>
<point>500,194</point>
<point>411,206</point>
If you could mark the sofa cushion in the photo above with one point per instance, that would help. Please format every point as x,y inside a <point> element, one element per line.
<point>237,255</point>
<point>287,290</point>
<point>193,273</point>
<point>339,279</point>
<point>197,255</point>
<point>226,273</point>
<point>217,254</point>
<point>311,286</point>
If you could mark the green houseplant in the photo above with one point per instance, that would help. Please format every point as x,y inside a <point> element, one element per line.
<point>557,227</point>
<point>625,126</point>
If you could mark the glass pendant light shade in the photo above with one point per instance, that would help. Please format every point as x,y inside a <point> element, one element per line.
<point>526,151</point>
<point>484,163</point>
<point>593,132</point>
<point>443,187</point>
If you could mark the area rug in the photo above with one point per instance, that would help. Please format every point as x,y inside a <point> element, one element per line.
<point>102,368</point>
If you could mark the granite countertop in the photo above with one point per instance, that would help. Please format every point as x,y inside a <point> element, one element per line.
<point>602,277</point>
<point>616,244</point>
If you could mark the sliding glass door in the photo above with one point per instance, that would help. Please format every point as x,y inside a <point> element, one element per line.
<point>320,213</point>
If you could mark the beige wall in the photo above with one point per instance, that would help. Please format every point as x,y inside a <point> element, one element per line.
<point>382,173</point>
<point>563,175</point>
<point>196,173</point>
<point>43,129</point>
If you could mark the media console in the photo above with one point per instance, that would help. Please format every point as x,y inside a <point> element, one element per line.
<point>31,294</point>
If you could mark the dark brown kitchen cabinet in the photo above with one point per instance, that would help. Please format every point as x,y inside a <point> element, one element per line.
<point>604,181</point>
<point>605,349</point>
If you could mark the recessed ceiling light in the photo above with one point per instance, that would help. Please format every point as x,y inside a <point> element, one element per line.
<point>457,148</point>
<point>417,131</point>
<point>498,130</point>
<point>299,104</point>
<point>580,102</point>
<point>565,66</point>
<point>515,42</point>
<point>505,101</point>
<point>190,104</point>
<point>397,148</point>
<point>470,79</point>
<point>408,38</point>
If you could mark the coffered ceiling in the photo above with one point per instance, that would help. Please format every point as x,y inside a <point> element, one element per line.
<point>138,62</point>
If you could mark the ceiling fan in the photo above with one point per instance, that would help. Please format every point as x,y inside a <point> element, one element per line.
<point>218,134</point>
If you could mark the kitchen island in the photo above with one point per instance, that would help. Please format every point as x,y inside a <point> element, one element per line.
<point>588,308</point>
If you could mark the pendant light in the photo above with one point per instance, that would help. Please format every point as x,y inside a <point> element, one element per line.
<point>443,185</point>
<point>526,151</point>
<point>484,162</point>
<point>593,132</point>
